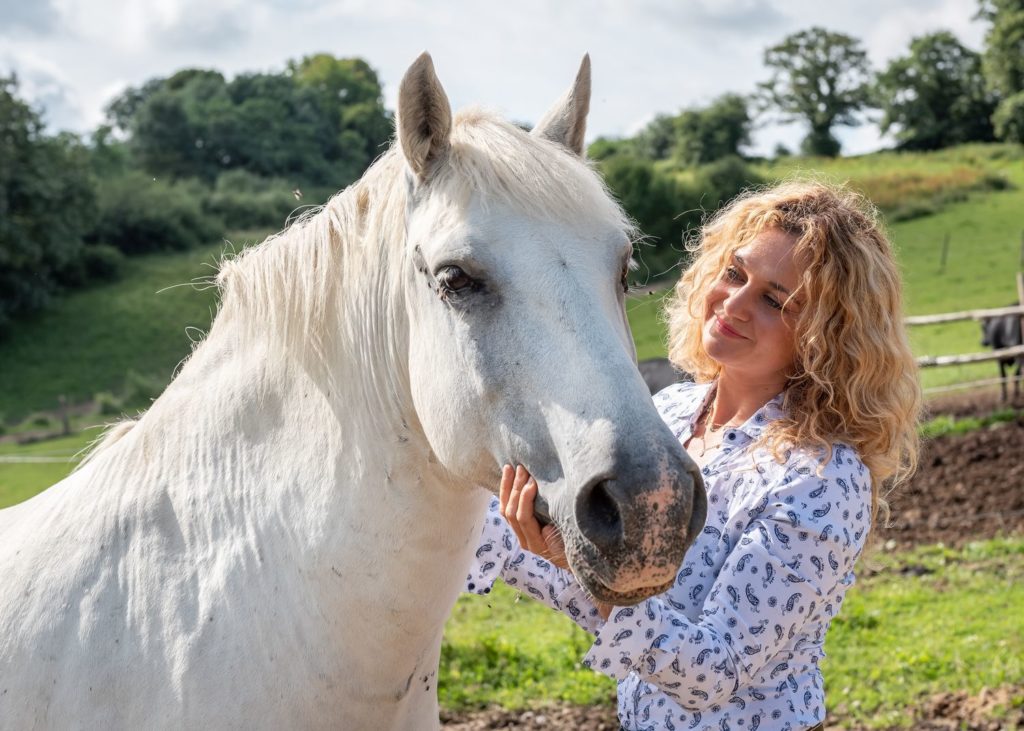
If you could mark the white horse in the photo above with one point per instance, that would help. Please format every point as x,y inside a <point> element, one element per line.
<point>277,542</point>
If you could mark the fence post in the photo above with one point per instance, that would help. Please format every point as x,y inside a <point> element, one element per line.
<point>945,251</point>
<point>65,418</point>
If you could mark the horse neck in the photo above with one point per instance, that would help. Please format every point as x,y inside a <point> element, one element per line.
<point>317,436</point>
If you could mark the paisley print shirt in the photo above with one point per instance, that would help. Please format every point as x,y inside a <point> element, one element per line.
<point>736,642</point>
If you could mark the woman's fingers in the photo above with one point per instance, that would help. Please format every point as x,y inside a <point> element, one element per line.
<point>555,547</point>
<point>505,486</point>
<point>528,521</point>
<point>516,494</point>
<point>511,507</point>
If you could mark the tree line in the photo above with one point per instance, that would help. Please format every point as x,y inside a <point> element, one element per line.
<point>181,159</point>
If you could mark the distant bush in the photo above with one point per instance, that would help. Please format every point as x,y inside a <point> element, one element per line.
<point>96,262</point>
<point>102,262</point>
<point>41,420</point>
<point>138,214</point>
<point>720,181</point>
<point>669,203</point>
<point>243,200</point>
<point>140,391</point>
<point>107,404</point>
<point>1008,118</point>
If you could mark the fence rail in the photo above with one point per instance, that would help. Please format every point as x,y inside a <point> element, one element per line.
<point>930,361</point>
<point>965,315</point>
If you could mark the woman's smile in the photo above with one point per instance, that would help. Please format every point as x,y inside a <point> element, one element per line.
<point>724,328</point>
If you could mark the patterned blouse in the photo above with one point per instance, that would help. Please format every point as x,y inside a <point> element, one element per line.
<point>736,642</point>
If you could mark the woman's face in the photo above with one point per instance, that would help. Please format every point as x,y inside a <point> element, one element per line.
<point>745,329</point>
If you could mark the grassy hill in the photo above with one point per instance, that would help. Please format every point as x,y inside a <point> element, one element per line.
<point>92,340</point>
<point>139,328</point>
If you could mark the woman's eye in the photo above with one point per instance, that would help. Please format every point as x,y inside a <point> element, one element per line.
<point>453,279</point>
<point>773,303</point>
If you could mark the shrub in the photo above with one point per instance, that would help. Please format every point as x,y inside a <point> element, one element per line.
<point>243,200</point>
<point>140,391</point>
<point>1008,118</point>
<point>107,404</point>
<point>102,262</point>
<point>140,214</point>
<point>722,180</point>
<point>41,420</point>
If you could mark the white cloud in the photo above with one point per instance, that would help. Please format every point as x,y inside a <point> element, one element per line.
<point>650,56</point>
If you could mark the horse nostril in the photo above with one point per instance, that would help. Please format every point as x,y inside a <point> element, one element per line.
<point>598,515</point>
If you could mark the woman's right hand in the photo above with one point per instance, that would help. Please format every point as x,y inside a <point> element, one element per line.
<point>516,494</point>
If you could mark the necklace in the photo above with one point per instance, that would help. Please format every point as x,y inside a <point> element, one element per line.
<point>709,426</point>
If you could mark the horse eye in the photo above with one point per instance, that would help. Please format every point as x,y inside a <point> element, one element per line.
<point>453,279</point>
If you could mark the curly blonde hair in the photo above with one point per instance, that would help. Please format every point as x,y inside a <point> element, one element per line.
<point>854,379</point>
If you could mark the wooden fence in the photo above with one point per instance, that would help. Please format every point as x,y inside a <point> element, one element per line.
<point>930,361</point>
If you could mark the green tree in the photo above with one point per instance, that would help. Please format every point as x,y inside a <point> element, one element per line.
<point>711,133</point>
<point>350,94</point>
<point>657,140</point>
<point>819,77</point>
<point>936,96</point>
<point>322,122</point>
<point>1003,63</point>
<point>47,202</point>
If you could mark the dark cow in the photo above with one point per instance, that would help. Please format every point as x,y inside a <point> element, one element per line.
<point>659,373</point>
<point>1001,332</point>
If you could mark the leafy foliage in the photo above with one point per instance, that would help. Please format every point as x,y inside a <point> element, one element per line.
<point>320,122</point>
<point>936,96</point>
<point>1004,45</point>
<point>140,214</point>
<point>819,77</point>
<point>1009,118</point>
<point>46,207</point>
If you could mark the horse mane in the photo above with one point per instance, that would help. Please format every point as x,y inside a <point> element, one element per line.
<point>289,285</point>
<point>315,288</point>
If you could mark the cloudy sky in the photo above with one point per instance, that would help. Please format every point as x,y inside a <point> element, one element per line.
<point>649,56</point>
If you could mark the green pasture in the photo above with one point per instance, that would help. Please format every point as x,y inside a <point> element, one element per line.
<point>91,340</point>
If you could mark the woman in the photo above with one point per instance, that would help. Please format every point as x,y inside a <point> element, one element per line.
<point>805,406</point>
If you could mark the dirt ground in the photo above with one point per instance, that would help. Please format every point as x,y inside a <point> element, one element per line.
<point>967,488</point>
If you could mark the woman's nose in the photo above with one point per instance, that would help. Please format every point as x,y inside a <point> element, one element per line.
<point>735,303</point>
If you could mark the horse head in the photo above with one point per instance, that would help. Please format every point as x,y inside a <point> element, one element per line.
<point>519,347</point>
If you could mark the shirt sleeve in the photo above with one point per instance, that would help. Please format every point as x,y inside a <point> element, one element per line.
<point>794,556</point>
<point>500,556</point>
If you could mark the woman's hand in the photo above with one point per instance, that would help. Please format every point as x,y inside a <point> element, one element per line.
<point>516,494</point>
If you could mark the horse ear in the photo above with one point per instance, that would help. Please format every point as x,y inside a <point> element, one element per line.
<point>424,117</point>
<point>566,122</point>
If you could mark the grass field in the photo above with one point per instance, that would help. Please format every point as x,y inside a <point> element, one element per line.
<point>90,341</point>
